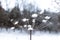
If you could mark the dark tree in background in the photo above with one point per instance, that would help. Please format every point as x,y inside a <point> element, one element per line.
<point>3,17</point>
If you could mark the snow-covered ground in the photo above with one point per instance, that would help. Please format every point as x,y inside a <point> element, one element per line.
<point>18,35</point>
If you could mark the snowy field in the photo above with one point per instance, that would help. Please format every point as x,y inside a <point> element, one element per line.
<point>17,35</point>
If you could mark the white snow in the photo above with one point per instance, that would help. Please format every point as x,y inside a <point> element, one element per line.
<point>44,21</point>
<point>4,35</point>
<point>47,17</point>
<point>34,15</point>
<point>30,28</point>
<point>25,19</point>
<point>16,22</point>
<point>11,20</point>
<point>25,25</point>
<point>42,11</point>
<point>33,20</point>
<point>12,28</point>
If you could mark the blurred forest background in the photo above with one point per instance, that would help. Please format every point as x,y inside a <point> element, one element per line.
<point>9,17</point>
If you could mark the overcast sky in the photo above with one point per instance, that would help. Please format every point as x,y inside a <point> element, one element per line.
<point>49,5</point>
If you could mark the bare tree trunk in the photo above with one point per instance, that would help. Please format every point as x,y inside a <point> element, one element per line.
<point>30,34</point>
